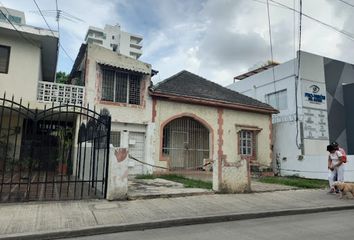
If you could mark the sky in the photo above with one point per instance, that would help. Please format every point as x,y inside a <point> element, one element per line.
<point>216,39</point>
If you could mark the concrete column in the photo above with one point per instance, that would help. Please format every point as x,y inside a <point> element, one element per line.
<point>118,170</point>
<point>149,150</point>
<point>233,178</point>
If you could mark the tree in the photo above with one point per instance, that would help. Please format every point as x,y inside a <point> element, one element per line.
<point>61,77</point>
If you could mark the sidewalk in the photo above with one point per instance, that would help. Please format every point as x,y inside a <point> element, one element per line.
<point>75,218</point>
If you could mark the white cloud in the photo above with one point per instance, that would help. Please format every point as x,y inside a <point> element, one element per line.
<point>216,39</point>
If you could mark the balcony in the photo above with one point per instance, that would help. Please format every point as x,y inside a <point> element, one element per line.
<point>49,92</point>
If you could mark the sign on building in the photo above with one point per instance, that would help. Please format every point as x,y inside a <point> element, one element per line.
<point>314,110</point>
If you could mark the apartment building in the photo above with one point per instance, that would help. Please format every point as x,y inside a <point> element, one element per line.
<point>113,38</point>
<point>15,16</point>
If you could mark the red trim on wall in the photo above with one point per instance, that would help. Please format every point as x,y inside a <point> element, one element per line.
<point>195,117</point>
<point>220,143</point>
<point>214,103</point>
<point>98,83</point>
<point>143,90</point>
<point>154,103</point>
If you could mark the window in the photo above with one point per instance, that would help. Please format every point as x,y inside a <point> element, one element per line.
<point>4,59</point>
<point>2,17</point>
<point>278,100</point>
<point>121,87</point>
<point>112,37</point>
<point>115,139</point>
<point>15,19</point>
<point>246,143</point>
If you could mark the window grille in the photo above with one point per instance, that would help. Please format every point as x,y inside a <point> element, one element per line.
<point>108,85</point>
<point>134,89</point>
<point>121,87</point>
<point>246,143</point>
<point>115,139</point>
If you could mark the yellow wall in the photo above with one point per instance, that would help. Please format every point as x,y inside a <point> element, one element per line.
<point>262,121</point>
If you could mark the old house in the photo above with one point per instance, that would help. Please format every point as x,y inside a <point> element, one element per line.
<point>119,84</point>
<point>196,119</point>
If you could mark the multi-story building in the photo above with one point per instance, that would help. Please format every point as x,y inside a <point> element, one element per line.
<point>315,108</point>
<point>113,38</point>
<point>15,16</point>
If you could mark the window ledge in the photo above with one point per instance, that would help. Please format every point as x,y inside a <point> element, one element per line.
<point>247,127</point>
<point>121,104</point>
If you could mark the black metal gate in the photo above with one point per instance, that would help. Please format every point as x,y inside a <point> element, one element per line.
<point>56,153</point>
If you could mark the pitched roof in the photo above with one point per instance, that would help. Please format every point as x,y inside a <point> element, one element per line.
<point>188,85</point>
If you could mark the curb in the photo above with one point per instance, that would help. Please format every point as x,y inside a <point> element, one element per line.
<point>106,229</point>
<point>167,195</point>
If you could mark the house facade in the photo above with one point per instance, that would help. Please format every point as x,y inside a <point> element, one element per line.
<point>314,109</point>
<point>207,121</point>
<point>119,84</point>
<point>35,53</point>
<point>172,128</point>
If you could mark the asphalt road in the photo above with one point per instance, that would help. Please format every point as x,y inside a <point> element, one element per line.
<point>321,226</point>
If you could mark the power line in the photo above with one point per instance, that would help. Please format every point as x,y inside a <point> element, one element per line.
<point>345,33</point>
<point>278,4</point>
<point>40,11</point>
<point>271,54</point>
<point>345,2</point>
<point>43,17</point>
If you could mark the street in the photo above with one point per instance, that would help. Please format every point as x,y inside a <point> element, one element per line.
<point>328,225</point>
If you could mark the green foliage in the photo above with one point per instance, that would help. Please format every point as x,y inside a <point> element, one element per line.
<point>296,182</point>
<point>188,183</point>
<point>61,77</point>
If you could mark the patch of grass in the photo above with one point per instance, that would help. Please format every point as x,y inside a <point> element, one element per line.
<point>296,182</point>
<point>188,183</point>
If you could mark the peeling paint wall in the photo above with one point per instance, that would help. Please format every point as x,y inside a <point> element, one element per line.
<point>120,112</point>
<point>130,118</point>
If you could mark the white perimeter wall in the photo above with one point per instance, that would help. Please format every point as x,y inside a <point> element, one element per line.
<point>314,166</point>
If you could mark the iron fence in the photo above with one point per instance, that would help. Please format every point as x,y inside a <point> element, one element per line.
<point>55,153</point>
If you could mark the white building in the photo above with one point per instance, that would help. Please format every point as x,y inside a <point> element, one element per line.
<point>15,16</point>
<point>113,38</point>
<point>28,57</point>
<point>306,124</point>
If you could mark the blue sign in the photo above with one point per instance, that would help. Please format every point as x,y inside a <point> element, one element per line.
<point>314,97</point>
<point>317,98</point>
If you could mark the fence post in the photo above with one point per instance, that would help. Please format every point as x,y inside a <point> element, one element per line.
<point>231,177</point>
<point>117,187</point>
